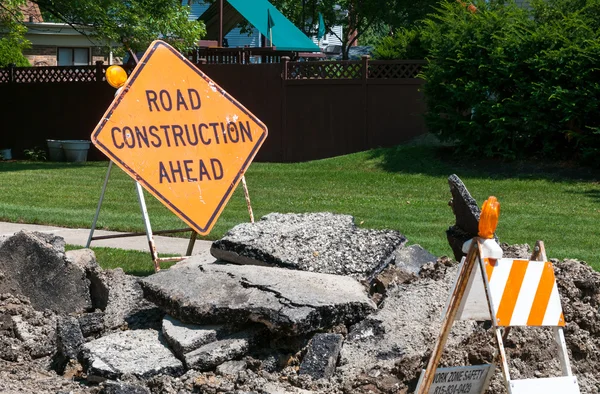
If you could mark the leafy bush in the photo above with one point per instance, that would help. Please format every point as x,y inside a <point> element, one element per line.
<point>11,54</point>
<point>404,44</point>
<point>507,81</point>
<point>35,154</point>
<point>12,34</point>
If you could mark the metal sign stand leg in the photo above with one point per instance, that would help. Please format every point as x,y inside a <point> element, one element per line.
<point>147,226</point>
<point>89,241</point>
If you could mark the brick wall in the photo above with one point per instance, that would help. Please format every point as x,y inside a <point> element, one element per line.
<point>41,55</point>
<point>45,55</point>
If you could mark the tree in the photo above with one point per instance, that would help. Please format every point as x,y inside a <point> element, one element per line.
<point>12,32</point>
<point>514,82</point>
<point>358,18</point>
<point>133,23</point>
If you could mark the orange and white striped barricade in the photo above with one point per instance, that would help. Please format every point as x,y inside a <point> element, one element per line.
<point>508,292</point>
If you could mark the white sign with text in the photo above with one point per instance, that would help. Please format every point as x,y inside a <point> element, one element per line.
<point>460,380</point>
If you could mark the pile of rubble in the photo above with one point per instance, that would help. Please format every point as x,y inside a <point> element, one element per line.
<point>295,303</point>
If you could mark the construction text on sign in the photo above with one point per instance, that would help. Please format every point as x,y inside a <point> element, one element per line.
<point>180,135</point>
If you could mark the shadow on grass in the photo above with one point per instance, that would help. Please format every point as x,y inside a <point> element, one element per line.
<point>592,194</point>
<point>438,160</point>
<point>24,165</point>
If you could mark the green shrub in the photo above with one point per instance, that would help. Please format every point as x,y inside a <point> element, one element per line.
<point>507,81</point>
<point>404,44</point>
<point>10,53</point>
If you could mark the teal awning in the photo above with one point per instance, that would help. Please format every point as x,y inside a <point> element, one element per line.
<point>286,36</point>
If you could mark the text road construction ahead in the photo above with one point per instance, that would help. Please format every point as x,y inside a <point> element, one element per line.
<point>156,136</point>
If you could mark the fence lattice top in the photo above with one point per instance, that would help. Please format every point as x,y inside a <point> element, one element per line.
<point>355,69</point>
<point>405,69</point>
<point>352,70</point>
<point>55,74</point>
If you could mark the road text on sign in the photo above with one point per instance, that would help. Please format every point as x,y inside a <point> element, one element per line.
<point>461,380</point>
<point>180,135</point>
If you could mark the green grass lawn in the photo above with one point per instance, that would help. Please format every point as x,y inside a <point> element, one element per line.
<point>403,188</point>
<point>133,262</point>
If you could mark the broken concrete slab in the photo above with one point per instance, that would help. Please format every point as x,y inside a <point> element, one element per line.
<point>83,258</point>
<point>316,242</point>
<point>34,265</point>
<point>112,387</point>
<point>231,368</point>
<point>140,353</point>
<point>322,355</point>
<point>286,301</point>
<point>68,341</point>
<point>466,212</point>
<point>121,298</point>
<point>91,323</point>
<point>278,388</point>
<point>212,354</point>
<point>412,258</point>
<point>184,338</point>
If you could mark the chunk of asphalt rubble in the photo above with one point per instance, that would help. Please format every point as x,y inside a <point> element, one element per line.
<point>412,258</point>
<point>408,262</point>
<point>231,368</point>
<point>286,301</point>
<point>466,213</point>
<point>317,242</point>
<point>140,353</point>
<point>121,299</point>
<point>34,265</point>
<point>212,354</point>
<point>184,338</point>
<point>112,387</point>
<point>91,323</point>
<point>68,341</point>
<point>322,355</point>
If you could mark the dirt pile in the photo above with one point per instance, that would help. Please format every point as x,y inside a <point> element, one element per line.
<point>405,333</point>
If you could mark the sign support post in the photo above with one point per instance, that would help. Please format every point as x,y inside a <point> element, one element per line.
<point>146,218</point>
<point>454,302</point>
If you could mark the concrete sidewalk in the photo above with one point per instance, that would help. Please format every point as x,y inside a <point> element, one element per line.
<point>79,236</point>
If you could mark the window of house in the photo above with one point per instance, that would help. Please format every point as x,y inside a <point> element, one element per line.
<point>73,56</point>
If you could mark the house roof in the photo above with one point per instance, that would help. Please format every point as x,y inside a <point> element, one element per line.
<point>286,36</point>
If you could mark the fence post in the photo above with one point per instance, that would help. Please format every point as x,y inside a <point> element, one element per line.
<point>365,66</point>
<point>284,62</point>
<point>99,73</point>
<point>365,77</point>
<point>11,72</point>
<point>284,80</point>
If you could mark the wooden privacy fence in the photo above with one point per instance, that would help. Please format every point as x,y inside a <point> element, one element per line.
<point>313,109</point>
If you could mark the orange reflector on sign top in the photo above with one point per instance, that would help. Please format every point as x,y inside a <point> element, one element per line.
<point>116,76</point>
<point>180,135</point>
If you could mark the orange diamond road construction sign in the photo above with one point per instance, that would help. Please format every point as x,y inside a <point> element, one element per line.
<point>181,136</point>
